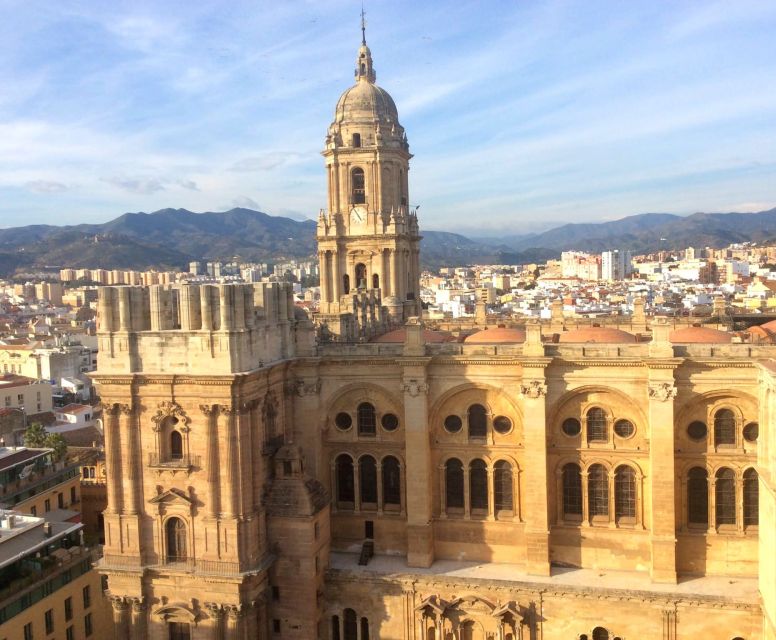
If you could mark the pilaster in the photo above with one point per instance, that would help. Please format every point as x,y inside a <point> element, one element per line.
<point>535,509</point>
<point>418,469</point>
<point>662,471</point>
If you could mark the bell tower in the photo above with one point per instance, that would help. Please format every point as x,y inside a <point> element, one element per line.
<point>368,237</point>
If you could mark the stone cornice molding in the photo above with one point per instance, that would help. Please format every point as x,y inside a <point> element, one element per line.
<point>469,360</point>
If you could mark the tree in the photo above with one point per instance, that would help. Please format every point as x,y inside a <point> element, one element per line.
<point>37,437</point>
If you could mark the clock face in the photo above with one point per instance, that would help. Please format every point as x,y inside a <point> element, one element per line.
<point>357,215</point>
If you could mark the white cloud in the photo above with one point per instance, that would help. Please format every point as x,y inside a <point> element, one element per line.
<point>46,186</point>
<point>140,186</point>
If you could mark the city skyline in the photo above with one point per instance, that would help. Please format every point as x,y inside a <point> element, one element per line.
<point>532,116</point>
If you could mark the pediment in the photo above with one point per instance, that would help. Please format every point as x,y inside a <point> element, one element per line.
<point>172,497</point>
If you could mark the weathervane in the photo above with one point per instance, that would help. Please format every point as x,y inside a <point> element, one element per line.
<point>363,25</point>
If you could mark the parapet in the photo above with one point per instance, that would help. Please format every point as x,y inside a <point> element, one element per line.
<point>198,328</point>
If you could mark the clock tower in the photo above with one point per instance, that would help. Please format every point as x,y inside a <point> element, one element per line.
<point>368,238</point>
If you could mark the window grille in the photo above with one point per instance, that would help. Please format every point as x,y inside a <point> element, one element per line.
<point>478,421</point>
<point>176,540</point>
<point>478,485</point>
<point>724,427</point>
<point>454,484</point>
<point>366,419</point>
<point>572,490</point>
<point>751,498</point>
<point>359,192</point>
<point>725,487</point>
<point>368,479</point>
<point>698,496</point>
<point>598,491</point>
<point>625,492</point>
<point>596,425</point>
<point>391,481</point>
<point>502,486</point>
<point>344,473</point>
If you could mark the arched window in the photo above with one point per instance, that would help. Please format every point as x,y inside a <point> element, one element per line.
<point>624,492</point>
<point>478,485</point>
<point>391,481</point>
<point>502,486</point>
<point>751,498</point>
<point>725,493</point>
<point>176,445</point>
<point>375,281</point>
<point>572,490</point>
<point>596,425</point>
<point>335,628</point>
<point>698,496</point>
<point>599,633</point>
<point>360,276</point>
<point>357,182</point>
<point>350,625</point>
<point>366,419</point>
<point>367,476</point>
<point>175,530</point>
<point>478,421</point>
<point>344,472</point>
<point>346,283</point>
<point>724,427</point>
<point>364,629</point>
<point>597,491</point>
<point>454,484</point>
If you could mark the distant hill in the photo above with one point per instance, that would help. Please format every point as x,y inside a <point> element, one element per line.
<point>171,238</point>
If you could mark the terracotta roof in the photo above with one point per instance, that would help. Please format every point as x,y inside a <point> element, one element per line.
<point>399,335</point>
<point>497,335</point>
<point>597,334</point>
<point>700,335</point>
<point>74,408</point>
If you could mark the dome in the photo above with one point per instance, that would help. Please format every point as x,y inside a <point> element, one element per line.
<point>699,335</point>
<point>499,335</point>
<point>597,334</point>
<point>365,101</point>
<point>399,335</point>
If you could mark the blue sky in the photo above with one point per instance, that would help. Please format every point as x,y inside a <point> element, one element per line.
<point>521,115</point>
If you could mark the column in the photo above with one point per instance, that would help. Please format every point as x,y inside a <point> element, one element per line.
<point>128,430</point>
<point>491,495</point>
<point>234,615</point>
<point>420,533</point>
<point>537,528</point>
<point>662,471</point>
<point>394,273</point>
<point>216,614</point>
<point>120,608</point>
<point>113,459</point>
<point>125,313</point>
<point>230,473</point>
<point>467,510</point>
<point>139,624</point>
<point>206,307</point>
<point>336,276</point>
<point>323,260</point>
<point>211,415</point>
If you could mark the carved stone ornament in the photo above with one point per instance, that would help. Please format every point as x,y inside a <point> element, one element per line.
<point>308,387</point>
<point>533,389</point>
<point>662,391</point>
<point>168,409</point>
<point>414,388</point>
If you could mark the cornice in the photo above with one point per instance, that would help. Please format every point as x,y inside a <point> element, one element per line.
<point>469,360</point>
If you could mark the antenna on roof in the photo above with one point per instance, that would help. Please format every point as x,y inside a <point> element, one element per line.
<point>363,25</point>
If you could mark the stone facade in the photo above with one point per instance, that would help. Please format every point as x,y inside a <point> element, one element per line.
<point>264,486</point>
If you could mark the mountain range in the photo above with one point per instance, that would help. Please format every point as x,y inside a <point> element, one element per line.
<point>171,238</point>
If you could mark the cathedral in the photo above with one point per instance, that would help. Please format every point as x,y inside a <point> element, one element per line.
<point>357,475</point>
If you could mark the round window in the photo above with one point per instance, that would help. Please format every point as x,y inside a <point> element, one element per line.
<point>624,428</point>
<point>571,427</point>
<point>697,430</point>
<point>453,424</point>
<point>343,421</point>
<point>390,422</point>
<point>502,424</point>
<point>751,432</point>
